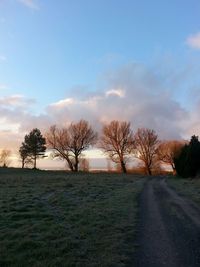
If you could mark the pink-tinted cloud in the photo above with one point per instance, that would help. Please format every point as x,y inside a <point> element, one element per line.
<point>14,101</point>
<point>194,41</point>
<point>132,93</point>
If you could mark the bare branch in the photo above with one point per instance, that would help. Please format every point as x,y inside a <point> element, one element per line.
<point>146,143</point>
<point>117,142</point>
<point>5,157</point>
<point>69,143</point>
<point>168,150</point>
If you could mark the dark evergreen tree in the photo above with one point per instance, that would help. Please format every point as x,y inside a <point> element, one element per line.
<point>194,155</point>
<point>182,162</point>
<point>33,146</point>
<point>187,163</point>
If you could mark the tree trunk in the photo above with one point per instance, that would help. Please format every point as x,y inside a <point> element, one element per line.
<point>70,164</point>
<point>35,162</point>
<point>173,169</point>
<point>22,163</point>
<point>123,167</point>
<point>76,164</point>
<point>149,172</point>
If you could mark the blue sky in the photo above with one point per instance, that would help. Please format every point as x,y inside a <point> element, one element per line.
<point>60,60</point>
<point>53,46</point>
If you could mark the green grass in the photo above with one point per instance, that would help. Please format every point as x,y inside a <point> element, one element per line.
<point>187,187</point>
<point>64,219</point>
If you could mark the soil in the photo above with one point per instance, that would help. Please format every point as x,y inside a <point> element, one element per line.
<point>168,229</point>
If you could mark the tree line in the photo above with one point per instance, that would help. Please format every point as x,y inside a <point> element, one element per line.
<point>118,142</point>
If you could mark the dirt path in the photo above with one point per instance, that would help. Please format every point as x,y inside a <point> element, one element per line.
<point>169,228</point>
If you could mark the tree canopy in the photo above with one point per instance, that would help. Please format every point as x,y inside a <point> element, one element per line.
<point>117,142</point>
<point>33,147</point>
<point>146,143</point>
<point>69,143</point>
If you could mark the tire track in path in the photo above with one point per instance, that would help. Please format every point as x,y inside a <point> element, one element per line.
<point>169,228</point>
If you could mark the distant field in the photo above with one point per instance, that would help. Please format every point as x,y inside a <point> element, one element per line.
<point>187,187</point>
<point>63,219</point>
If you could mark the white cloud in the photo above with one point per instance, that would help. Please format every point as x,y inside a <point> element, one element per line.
<point>63,103</point>
<point>115,92</point>
<point>16,119</point>
<point>29,3</point>
<point>194,41</point>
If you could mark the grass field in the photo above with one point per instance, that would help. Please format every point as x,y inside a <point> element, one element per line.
<point>187,187</point>
<point>65,219</point>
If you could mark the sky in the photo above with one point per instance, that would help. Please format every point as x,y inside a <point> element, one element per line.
<point>99,60</point>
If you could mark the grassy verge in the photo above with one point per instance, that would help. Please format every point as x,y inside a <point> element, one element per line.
<point>58,219</point>
<point>188,187</point>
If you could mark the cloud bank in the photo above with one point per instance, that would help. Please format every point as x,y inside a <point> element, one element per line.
<point>133,93</point>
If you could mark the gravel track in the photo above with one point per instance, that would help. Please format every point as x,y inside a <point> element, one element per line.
<point>169,228</point>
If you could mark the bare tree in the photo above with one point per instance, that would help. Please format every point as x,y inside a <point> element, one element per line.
<point>5,157</point>
<point>117,142</point>
<point>146,143</point>
<point>168,150</point>
<point>69,143</point>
